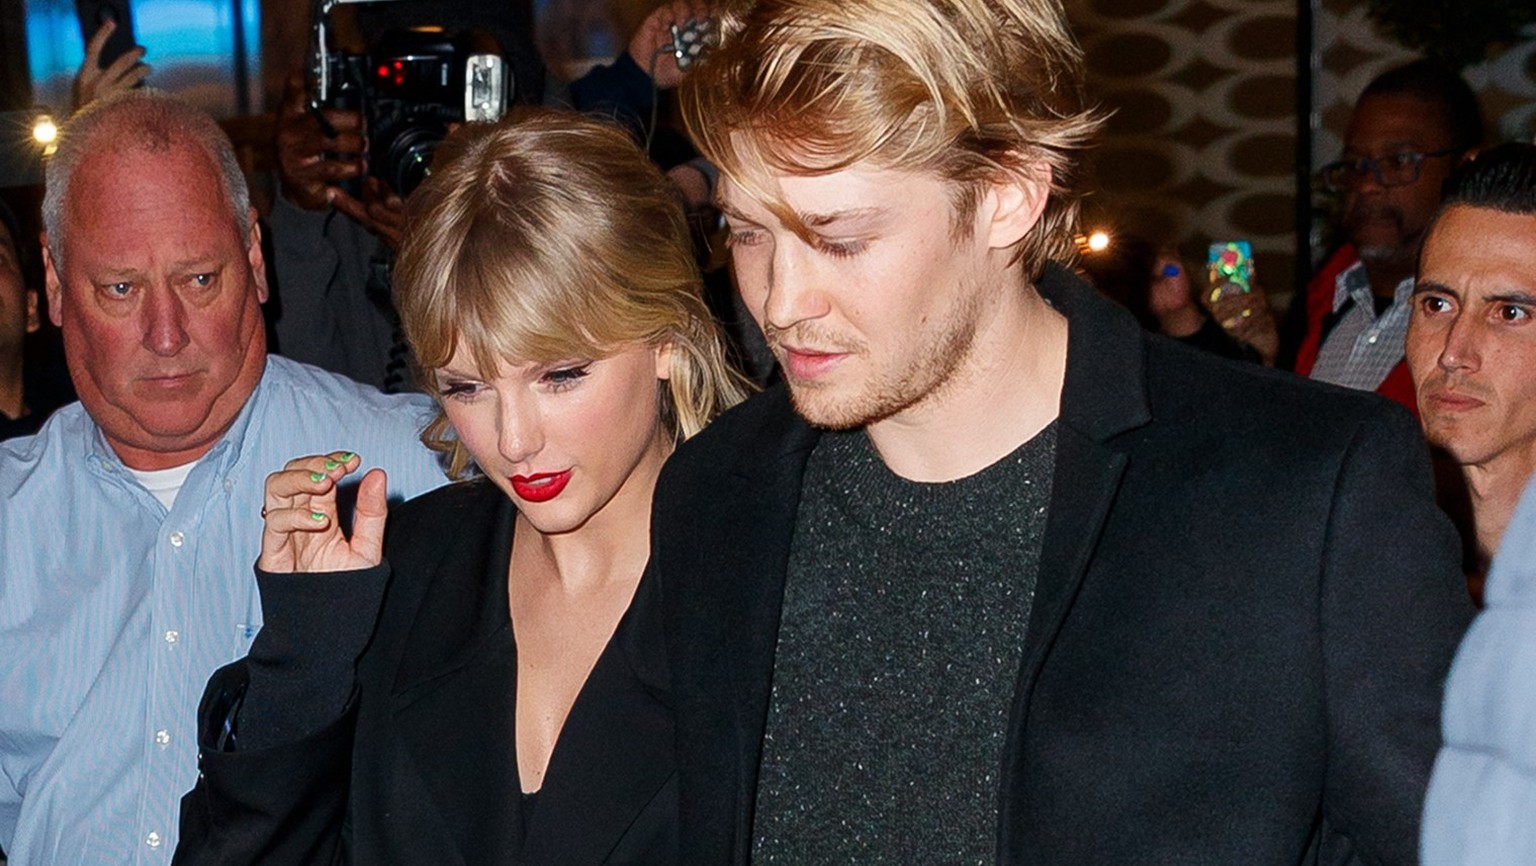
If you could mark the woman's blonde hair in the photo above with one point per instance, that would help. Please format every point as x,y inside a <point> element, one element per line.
<point>547,237</point>
<point>967,89</point>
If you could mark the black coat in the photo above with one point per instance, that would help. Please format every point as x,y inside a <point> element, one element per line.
<point>1246,604</point>
<point>422,766</point>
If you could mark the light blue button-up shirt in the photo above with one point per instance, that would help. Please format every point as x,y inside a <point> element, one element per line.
<point>114,612</point>
<point>1481,806</point>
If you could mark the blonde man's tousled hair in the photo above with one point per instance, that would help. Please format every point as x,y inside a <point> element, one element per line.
<point>549,237</point>
<point>966,89</point>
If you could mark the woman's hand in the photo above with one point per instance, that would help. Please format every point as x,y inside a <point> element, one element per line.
<point>302,532</point>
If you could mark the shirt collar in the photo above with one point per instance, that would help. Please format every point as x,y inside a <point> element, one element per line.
<point>1352,282</point>
<point>223,454</point>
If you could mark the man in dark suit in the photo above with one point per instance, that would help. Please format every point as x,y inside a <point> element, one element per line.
<point>994,576</point>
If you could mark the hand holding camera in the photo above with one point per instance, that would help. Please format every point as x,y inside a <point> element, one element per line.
<point>671,38</point>
<point>310,162</point>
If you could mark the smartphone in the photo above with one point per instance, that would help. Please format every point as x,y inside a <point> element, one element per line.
<point>1230,268</point>
<point>94,13</point>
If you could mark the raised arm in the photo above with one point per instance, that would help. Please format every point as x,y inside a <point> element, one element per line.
<point>276,728</point>
<point>303,532</point>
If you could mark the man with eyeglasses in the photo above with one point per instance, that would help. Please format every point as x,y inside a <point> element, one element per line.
<point>1409,129</point>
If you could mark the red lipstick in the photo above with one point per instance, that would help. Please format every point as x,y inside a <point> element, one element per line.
<point>541,487</point>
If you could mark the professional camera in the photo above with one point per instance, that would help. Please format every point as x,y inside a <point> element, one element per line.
<point>410,87</point>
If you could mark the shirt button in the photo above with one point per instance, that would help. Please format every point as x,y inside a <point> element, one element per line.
<point>229,484</point>
<point>162,738</point>
<point>177,539</point>
<point>172,636</point>
<point>152,840</point>
<point>1371,339</point>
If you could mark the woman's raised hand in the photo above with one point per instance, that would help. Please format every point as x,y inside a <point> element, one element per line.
<point>303,533</point>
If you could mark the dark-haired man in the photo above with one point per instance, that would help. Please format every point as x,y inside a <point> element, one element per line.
<point>1472,348</point>
<point>1410,127</point>
<point>996,577</point>
<point>1472,338</point>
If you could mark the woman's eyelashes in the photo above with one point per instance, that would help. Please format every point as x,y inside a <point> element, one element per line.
<point>557,378</point>
<point>560,378</point>
<point>457,389</point>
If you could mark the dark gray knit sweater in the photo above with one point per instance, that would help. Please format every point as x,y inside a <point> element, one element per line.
<point>903,625</point>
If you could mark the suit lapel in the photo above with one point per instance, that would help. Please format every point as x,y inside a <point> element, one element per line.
<point>762,563</point>
<point>732,617</point>
<point>455,690</point>
<point>1103,398</point>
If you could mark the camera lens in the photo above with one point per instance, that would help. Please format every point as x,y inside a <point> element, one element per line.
<point>409,161</point>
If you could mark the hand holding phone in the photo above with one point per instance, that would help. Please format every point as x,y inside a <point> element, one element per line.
<point>94,14</point>
<point>113,63</point>
<point>1229,269</point>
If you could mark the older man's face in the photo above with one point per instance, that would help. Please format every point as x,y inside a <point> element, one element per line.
<point>1385,223</point>
<point>158,296</point>
<point>1472,339</point>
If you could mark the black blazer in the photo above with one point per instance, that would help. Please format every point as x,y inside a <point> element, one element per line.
<point>422,766</point>
<point>1246,604</point>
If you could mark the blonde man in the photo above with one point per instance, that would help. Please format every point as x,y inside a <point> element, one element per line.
<point>994,576</point>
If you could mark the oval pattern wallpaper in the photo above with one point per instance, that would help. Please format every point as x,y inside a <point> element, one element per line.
<point>1202,143</point>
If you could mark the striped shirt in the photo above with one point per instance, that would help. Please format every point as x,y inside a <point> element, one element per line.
<point>1363,347</point>
<point>114,610</point>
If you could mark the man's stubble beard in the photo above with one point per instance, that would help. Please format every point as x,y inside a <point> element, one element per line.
<point>1403,252</point>
<point>932,368</point>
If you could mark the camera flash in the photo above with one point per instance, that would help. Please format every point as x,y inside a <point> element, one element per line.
<point>485,97</point>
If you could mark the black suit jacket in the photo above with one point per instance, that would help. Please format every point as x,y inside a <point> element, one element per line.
<point>422,766</point>
<point>1246,604</point>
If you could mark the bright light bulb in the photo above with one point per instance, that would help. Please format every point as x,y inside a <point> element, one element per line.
<point>1098,241</point>
<point>44,130</point>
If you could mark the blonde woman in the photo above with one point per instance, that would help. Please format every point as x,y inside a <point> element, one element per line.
<point>548,291</point>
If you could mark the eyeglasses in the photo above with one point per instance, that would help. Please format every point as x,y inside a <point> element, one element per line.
<point>1398,169</point>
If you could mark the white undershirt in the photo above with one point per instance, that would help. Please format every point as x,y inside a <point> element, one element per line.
<point>164,484</point>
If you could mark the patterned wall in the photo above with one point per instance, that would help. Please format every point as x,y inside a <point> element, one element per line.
<point>1202,143</point>
<point>1348,51</point>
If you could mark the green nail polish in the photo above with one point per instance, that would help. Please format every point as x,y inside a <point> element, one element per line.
<point>347,457</point>
<point>331,464</point>
<point>316,516</point>
<point>317,476</point>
